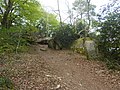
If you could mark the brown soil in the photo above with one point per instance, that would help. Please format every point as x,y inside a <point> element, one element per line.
<point>42,69</point>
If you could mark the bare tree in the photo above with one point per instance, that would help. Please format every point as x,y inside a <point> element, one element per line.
<point>87,28</point>
<point>70,12</point>
<point>58,4</point>
<point>88,13</point>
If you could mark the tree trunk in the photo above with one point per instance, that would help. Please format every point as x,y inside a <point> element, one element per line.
<point>5,20</point>
<point>86,30</point>
<point>84,40</point>
<point>59,14</point>
<point>88,2</point>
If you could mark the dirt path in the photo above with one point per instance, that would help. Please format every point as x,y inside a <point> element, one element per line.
<point>60,70</point>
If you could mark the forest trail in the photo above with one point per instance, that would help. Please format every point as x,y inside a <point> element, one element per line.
<point>60,70</point>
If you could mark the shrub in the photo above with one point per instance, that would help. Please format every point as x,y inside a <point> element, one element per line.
<point>15,40</point>
<point>65,36</point>
<point>109,39</point>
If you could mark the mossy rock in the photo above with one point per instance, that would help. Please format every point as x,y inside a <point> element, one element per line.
<point>79,42</point>
<point>79,50</point>
<point>78,47</point>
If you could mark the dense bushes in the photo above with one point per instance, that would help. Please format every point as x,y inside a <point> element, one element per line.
<point>65,36</point>
<point>109,39</point>
<point>14,40</point>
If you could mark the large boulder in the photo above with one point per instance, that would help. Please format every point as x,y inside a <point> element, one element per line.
<point>91,49</point>
<point>43,41</point>
<point>51,42</point>
<point>89,44</point>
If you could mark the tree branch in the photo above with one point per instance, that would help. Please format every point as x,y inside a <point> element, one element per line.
<point>1,11</point>
<point>5,2</point>
<point>59,14</point>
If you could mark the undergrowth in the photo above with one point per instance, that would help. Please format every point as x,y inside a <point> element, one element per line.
<point>13,40</point>
<point>6,84</point>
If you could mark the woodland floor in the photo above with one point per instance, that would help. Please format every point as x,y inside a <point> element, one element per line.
<point>58,70</point>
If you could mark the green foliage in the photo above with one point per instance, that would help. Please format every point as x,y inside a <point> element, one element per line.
<point>15,40</point>
<point>109,38</point>
<point>79,50</point>
<point>112,64</point>
<point>19,12</point>
<point>31,9</point>
<point>19,19</point>
<point>47,24</point>
<point>5,42</point>
<point>81,7</point>
<point>65,36</point>
<point>6,84</point>
<point>80,27</point>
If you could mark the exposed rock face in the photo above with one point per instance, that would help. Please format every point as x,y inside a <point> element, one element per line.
<point>54,44</point>
<point>43,41</point>
<point>51,44</point>
<point>90,45</point>
<point>91,49</point>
